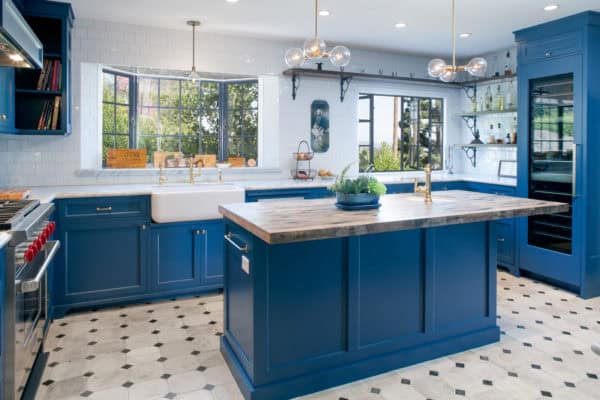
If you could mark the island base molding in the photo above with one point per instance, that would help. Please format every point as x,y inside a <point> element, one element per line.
<point>306,316</point>
<point>326,379</point>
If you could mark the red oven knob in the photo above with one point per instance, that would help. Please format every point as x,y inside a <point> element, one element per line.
<point>43,238</point>
<point>52,226</point>
<point>29,255</point>
<point>37,245</point>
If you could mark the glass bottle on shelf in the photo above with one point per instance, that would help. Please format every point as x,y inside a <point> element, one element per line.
<point>488,99</point>
<point>508,102</point>
<point>499,99</point>
<point>491,137</point>
<point>514,131</point>
<point>474,104</point>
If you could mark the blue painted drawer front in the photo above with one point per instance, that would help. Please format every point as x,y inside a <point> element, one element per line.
<point>305,193</point>
<point>103,209</point>
<point>395,188</point>
<point>101,261</point>
<point>186,255</point>
<point>7,100</point>
<point>550,48</point>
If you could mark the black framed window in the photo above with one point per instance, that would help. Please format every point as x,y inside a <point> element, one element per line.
<point>192,117</point>
<point>116,112</point>
<point>400,133</point>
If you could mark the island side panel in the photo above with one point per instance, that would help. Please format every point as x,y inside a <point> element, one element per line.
<point>312,315</point>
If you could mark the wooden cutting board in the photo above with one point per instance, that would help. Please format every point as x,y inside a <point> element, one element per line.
<point>14,194</point>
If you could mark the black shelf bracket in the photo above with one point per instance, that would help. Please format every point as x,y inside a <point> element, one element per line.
<point>471,153</point>
<point>470,91</point>
<point>344,86</point>
<point>295,84</point>
<point>471,121</point>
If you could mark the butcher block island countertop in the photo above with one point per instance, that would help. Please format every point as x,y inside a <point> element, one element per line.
<point>303,220</point>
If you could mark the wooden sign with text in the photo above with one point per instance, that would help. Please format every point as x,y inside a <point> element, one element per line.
<point>126,158</point>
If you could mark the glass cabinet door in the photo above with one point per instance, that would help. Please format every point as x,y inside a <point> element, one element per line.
<point>551,175</point>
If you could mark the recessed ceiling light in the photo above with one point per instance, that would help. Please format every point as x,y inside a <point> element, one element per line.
<point>324,13</point>
<point>400,25</point>
<point>232,1</point>
<point>465,35</point>
<point>551,7</point>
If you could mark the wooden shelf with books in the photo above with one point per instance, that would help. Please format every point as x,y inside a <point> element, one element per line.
<point>42,96</point>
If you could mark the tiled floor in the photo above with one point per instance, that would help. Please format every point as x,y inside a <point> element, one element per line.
<point>170,350</point>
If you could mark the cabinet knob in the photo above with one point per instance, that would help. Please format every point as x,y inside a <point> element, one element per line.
<point>548,53</point>
<point>144,227</point>
<point>3,117</point>
<point>501,239</point>
<point>201,232</point>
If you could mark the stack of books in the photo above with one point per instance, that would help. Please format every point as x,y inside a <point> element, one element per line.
<point>49,117</point>
<point>51,76</point>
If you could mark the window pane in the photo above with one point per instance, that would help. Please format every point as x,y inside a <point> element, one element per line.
<point>122,89</point>
<point>210,145</point>
<point>436,110</point>
<point>122,119</point>
<point>150,144</point>
<point>190,122</point>
<point>209,123</point>
<point>169,143</point>
<point>108,118</point>
<point>364,108</point>
<point>169,122</point>
<point>250,95</point>
<point>210,95</point>
<point>108,87</point>
<point>234,125</point>
<point>108,142</point>
<point>189,146</point>
<point>147,121</point>
<point>122,141</point>
<point>169,93</point>
<point>250,122</point>
<point>147,92</point>
<point>250,148</point>
<point>190,94</point>
<point>234,147</point>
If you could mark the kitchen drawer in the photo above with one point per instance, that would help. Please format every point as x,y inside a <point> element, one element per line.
<point>134,207</point>
<point>293,194</point>
<point>553,47</point>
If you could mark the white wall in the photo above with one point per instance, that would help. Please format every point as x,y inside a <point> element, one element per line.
<point>28,161</point>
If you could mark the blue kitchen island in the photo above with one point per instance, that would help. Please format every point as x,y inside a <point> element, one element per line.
<point>316,297</point>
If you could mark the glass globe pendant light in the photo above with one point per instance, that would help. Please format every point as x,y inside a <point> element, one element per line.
<point>315,49</point>
<point>438,68</point>
<point>194,75</point>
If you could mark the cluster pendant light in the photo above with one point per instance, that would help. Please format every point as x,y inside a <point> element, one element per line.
<point>315,49</point>
<point>447,73</point>
<point>194,75</point>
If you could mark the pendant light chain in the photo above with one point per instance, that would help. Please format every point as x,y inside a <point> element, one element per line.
<point>316,19</point>
<point>193,47</point>
<point>453,33</point>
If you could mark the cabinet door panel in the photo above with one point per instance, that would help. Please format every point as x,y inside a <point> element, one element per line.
<point>177,254</point>
<point>7,100</point>
<point>212,250</point>
<point>101,263</point>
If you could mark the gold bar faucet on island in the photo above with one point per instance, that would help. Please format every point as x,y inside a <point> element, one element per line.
<point>426,189</point>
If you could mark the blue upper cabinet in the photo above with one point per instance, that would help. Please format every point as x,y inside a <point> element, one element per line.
<point>559,93</point>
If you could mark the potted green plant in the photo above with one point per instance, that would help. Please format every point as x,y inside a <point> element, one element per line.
<point>361,191</point>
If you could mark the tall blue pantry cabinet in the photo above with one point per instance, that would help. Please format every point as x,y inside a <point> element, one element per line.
<point>559,150</point>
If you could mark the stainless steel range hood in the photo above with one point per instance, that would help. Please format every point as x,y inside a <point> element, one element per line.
<point>19,46</point>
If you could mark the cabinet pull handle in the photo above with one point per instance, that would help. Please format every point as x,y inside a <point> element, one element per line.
<point>3,117</point>
<point>201,232</point>
<point>548,53</point>
<point>574,177</point>
<point>229,238</point>
<point>101,209</point>
<point>501,239</point>
<point>144,227</point>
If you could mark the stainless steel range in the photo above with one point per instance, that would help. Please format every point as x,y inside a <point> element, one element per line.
<point>29,254</point>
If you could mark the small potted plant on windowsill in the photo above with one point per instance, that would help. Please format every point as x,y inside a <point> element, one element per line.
<point>361,193</point>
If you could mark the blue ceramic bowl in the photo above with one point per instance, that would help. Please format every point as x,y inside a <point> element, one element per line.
<point>356,199</point>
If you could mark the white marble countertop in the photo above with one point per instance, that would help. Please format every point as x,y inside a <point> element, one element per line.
<point>47,194</point>
<point>4,239</point>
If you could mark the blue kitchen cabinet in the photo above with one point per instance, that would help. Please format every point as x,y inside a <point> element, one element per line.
<point>186,256</point>
<point>559,95</point>
<point>2,311</point>
<point>7,100</point>
<point>295,193</point>
<point>104,254</point>
<point>505,229</point>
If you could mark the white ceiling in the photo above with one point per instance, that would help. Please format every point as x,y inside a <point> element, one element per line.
<point>359,23</point>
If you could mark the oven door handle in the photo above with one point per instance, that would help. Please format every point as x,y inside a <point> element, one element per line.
<point>34,284</point>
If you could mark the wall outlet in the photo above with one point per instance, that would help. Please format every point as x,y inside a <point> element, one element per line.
<point>246,265</point>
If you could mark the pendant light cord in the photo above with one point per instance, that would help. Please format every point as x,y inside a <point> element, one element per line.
<point>316,19</point>
<point>454,34</point>
<point>193,47</point>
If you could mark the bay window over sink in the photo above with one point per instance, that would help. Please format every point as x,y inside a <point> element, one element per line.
<point>172,114</point>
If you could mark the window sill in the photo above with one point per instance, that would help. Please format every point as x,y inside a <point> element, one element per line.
<point>141,172</point>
